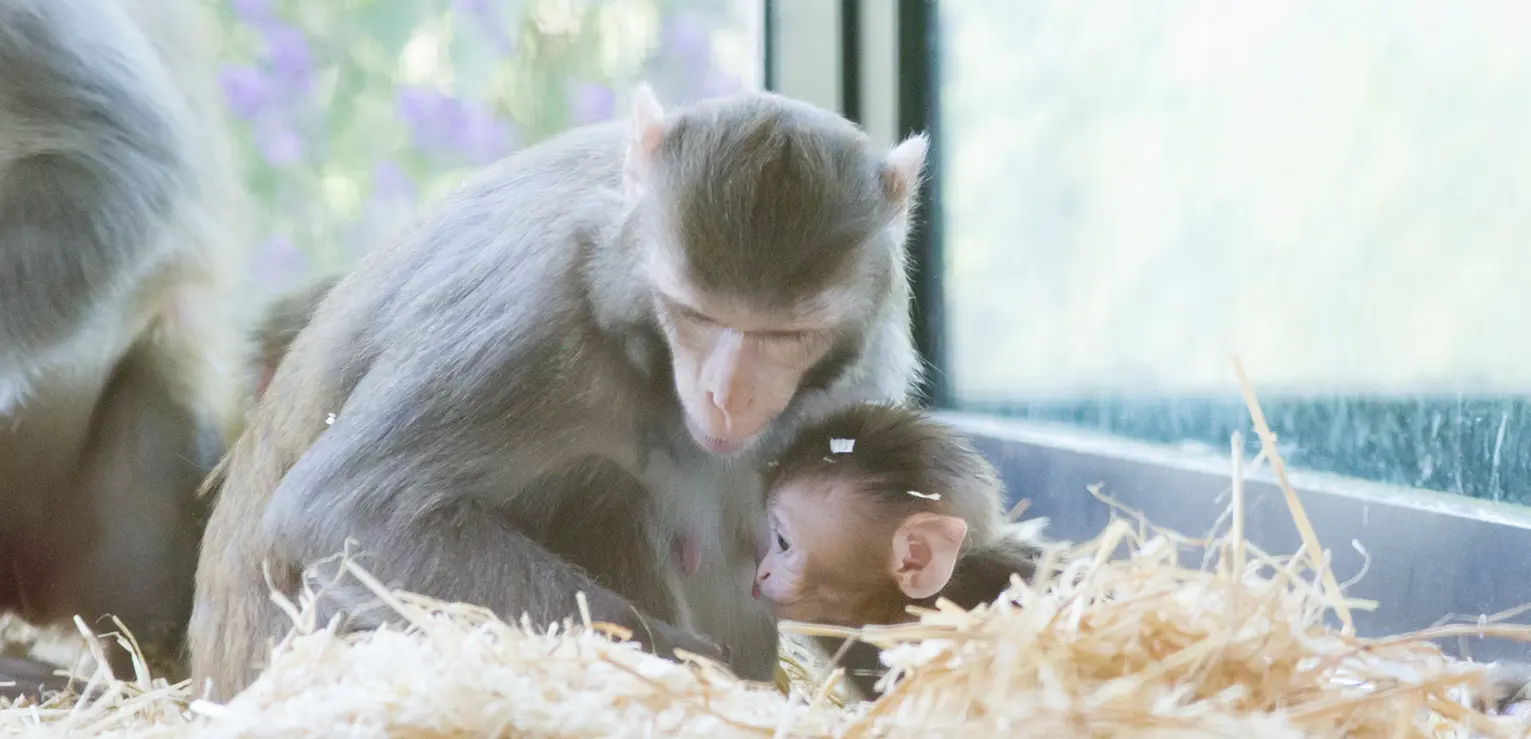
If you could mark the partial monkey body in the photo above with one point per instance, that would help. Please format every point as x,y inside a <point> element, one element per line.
<point>879,508</point>
<point>120,243</point>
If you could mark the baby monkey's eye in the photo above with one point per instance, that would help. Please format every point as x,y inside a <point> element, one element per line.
<point>781,542</point>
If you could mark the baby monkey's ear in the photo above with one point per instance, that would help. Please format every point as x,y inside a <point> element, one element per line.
<point>925,550</point>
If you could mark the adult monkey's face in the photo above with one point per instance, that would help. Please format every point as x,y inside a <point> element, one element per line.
<point>771,232</point>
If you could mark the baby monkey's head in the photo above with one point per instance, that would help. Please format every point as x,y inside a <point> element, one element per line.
<point>869,511</point>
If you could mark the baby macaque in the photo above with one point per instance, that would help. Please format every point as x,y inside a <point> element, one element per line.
<point>879,508</point>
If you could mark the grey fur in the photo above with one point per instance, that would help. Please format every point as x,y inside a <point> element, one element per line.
<point>501,349</point>
<point>786,190</point>
<point>283,319</point>
<point>118,214</point>
<point>93,167</point>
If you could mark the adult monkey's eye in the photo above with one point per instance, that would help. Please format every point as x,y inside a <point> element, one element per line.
<point>687,313</point>
<point>783,335</point>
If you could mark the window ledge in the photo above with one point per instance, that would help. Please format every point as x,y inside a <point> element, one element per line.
<point>1433,556</point>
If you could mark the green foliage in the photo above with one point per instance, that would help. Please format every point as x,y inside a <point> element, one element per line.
<point>350,114</point>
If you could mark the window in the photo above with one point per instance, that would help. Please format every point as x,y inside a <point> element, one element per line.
<point>1124,199</point>
<point>350,115</point>
<point>1338,193</point>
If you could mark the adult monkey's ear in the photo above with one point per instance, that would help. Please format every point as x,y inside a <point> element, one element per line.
<point>645,126</point>
<point>902,171</point>
<point>925,551</point>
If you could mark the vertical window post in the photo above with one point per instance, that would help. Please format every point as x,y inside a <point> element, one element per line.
<point>919,110</point>
<point>874,61</point>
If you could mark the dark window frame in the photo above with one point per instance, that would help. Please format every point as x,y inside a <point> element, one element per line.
<point>919,109</point>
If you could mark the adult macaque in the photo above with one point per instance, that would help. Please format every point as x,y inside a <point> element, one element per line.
<point>650,306</point>
<point>118,354</point>
<point>878,508</point>
<point>604,517</point>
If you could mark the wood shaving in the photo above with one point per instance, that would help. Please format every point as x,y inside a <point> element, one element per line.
<point>1132,645</point>
<point>1113,638</point>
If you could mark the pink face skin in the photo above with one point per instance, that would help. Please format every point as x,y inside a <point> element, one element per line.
<point>818,528</point>
<point>806,539</point>
<point>735,373</point>
<point>780,577</point>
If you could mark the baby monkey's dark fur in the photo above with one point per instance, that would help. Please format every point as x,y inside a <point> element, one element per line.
<point>897,450</point>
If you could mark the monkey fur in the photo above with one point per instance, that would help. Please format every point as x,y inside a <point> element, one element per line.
<point>280,324</point>
<point>835,518</point>
<point>120,232</point>
<point>619,304</point>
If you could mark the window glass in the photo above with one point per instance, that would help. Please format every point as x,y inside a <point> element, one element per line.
<point>350,115</point>
<point>1340,193</point>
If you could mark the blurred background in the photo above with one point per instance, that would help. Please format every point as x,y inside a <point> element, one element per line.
<point>353,114</point>
<point>1337,192</point>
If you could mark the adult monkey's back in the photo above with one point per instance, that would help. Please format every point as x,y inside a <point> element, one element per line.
<point>658,302</point>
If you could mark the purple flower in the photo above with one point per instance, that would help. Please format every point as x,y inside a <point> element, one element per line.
<point>248,90</point>
<point>277,264</point>
<point>431,115</point>
<point>288,51</point>
<point>277,142</point>
<point>391,183</point>
<point>482,138</point>
<point>252,10</point>
<point>441,122</point>
<point>482,10</point>
<point>689,38</point>
<point>593,103</point>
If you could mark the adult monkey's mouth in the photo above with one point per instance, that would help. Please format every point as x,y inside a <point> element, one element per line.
<point>715,444</point>
<point>721,446</point>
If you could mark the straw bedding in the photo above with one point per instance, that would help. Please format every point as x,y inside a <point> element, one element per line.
<point>1116,637</point>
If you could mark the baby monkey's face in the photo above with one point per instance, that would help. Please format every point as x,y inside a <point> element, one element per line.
<point>836,556</point>
<point>812,542</point>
